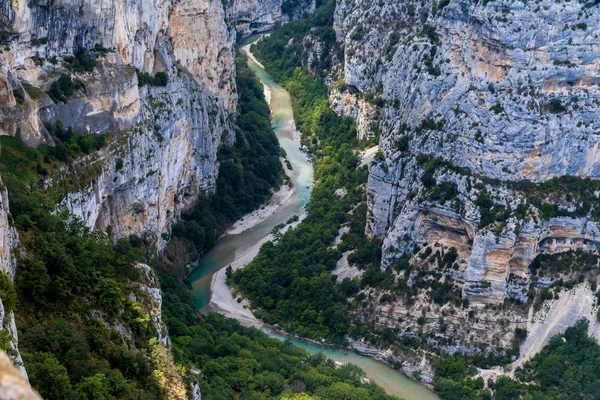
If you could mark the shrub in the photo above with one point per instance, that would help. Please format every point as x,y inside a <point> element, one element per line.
<point>556,106</point>
<point>62,88</point>
<point>160,79</point>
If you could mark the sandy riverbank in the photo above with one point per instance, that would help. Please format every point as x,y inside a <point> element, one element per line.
<point>267,91</point>
<point>222,300</point>
<point>283,196</point>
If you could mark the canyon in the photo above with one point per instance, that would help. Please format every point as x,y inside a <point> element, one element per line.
<point>481,110</point>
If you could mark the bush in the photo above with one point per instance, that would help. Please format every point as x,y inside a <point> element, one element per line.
<point>556,106</point>
<point>62,88</point>
<point>160,79</point>
<point>81,61</point>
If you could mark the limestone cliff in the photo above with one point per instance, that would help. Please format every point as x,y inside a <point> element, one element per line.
<point>12,384</point>
<point>9,241</point>
<point>252,16</point>
<point>474,102</point>
<point>164,139</point>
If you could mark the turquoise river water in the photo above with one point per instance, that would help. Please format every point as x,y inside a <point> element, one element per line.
<point>230,246</point>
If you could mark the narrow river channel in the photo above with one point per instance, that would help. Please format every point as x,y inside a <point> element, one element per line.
<point>230,247</point>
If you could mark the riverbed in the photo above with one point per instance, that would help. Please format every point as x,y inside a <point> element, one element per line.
<point>241,245</point>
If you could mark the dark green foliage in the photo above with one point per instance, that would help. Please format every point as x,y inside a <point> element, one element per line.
<point>7,293</point>
<point>556,106</point>
<point>454,380</point>
<point>159,79</point>
<point>443,191</point>
<point>430,124</point>
<point>490,212</point>
<point>62,88</point>
<point>244,363</point>
<point>497,108</point>
<point>442,4</point>
<point>21,166</point>
<point>429,32</point>
<point>567,368</point>
<point>563,263</point>
<point>284,50</point>
<point>81,61</point>
<point>402,144</point>
<point>67,271</point>
<point>69,144</point>
<point>248,171</point>
<point>291,283</point>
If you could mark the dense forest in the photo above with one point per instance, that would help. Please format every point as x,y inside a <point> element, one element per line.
<point>73,287</point>
<point>244,363</point>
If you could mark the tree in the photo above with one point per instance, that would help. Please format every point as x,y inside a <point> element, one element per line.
<point>50,378</point>
<point>110,295</point>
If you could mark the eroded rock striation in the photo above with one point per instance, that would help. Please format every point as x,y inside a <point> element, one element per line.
<point>252,16</point>
<point>163,137</point>
<point>484,109</point>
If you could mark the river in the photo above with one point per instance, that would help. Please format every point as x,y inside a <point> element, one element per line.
<point>230,247</point>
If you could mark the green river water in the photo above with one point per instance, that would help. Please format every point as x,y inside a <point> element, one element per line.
<point>231,246</point>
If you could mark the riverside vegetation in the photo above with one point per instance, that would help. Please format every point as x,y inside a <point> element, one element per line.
<point>239,362</point>
<point>290,282</point>
<point>85,328</point>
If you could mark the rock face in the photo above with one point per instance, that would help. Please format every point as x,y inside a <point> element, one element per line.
<point>474,101</point>
<point>162,139</point>
<point>251,16</point>
<point>496,69</point>
<point>9,241</point>
<point>12,384</point>
<point>165,138</point>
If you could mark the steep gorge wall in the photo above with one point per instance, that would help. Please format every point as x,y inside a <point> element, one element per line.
<point>499,91</point>
<point>165,139</point>
<point>9,240</point>
<point>251,16</point>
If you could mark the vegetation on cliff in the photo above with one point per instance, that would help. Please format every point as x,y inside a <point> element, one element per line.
<point>249,170</point>
<point>285,49</point>
<point>567,368</point>
<point>81,333</point>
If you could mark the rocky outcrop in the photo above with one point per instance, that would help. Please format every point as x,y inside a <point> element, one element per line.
<point>473,101</point>
<point>149,286</point>
<point>12,384</point>
<point>253,16</point>
<point>9,241</point>
<point>514,99</point>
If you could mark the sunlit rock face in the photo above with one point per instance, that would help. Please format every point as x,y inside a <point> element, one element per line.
<point>499,69</point>
<point>162,139</point>
<point>9,241</point>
